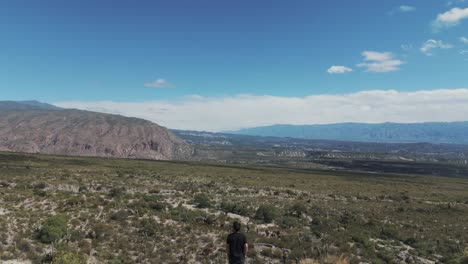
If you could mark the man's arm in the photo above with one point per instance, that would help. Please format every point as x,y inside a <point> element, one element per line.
<point>246,248</point>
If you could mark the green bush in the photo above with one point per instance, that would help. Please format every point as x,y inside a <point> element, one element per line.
<point>68,257</point>
<point>23,245</point>
<point>288,222</point>
<point>117,192</point>
<point>202,201</point>
<point>102,231</point>
<point>266,213</point>
<point>390,232</point>
<point>54,228</point>
<point>152,198</point>
<point>120,215</point>
<point>149,227</point>
<point>240,209</point>
<point>297,209</point>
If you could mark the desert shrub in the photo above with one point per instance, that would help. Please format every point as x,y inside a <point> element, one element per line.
<point>54,228</point>
<point>68,257</point>
<point>74,201</point>
<point>119,215</point>
<point>297,209</point>
<point>23,245</point>
<point>159,206</point>
<point>266,213</point>
<point>148,202</point>
<point>77,235</point>
<point>268,252</point>
<point>208,219</point>
<point>102,231</point>
<point>389,232</point>
<point>40,185</point>
<point>40,192</point>
<point>202,201</point>
<point>288,222</point>
<point>153,202</point>
<point>296,253</point>
<point>82,189</point>
<point>149,227</point>
<point>117,192</point>
<point>84,246</point>
<point>449,247</point>
<point>386,255</point>
<point>240,209</point>
<point>277,253</point>
<point>139,207</point>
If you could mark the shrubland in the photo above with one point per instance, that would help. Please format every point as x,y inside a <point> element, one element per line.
<point>56,209</point>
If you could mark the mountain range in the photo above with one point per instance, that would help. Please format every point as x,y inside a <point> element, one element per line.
<point>35,127</point>
<point>434,132</point>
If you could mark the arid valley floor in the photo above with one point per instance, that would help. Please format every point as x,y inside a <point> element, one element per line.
<point>96,210</point>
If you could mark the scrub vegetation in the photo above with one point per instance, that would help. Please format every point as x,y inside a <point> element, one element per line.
<point>56,209</point>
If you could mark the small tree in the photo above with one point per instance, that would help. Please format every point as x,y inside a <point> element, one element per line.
<point>266,213</point>
<point>54,228</point>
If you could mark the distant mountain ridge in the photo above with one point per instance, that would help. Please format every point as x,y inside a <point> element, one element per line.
<point>35,127</point>
<point>26,105</point>
<point>432,132</point>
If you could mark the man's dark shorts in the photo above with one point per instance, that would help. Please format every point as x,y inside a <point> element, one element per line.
<point>236,260</point>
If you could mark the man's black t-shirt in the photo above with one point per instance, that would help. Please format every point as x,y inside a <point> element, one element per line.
<point>236,242</point>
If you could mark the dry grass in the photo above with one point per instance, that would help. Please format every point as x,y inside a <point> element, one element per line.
<point>328,260</point>
<point>309,261</point>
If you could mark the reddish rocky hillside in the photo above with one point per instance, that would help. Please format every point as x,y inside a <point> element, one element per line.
<point>84,133</point>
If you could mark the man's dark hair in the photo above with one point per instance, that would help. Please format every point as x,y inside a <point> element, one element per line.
<point>236,226</point>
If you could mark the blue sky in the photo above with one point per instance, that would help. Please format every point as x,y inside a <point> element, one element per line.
<point>168,51</point>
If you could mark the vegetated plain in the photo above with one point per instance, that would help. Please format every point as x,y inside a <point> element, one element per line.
<point>96,210</point>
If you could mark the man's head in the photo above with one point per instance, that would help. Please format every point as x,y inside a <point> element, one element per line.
<point>236,226</point>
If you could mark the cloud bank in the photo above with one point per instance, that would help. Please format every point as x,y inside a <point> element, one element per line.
<point>242,111</point>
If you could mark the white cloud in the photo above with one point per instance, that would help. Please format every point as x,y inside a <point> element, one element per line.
<point>464,40</point>
<point>241,111</point>
<point>339,69</point>
<point>450,18</point>
<point>406,8</point>
<point>160,83</point>
<point>380,62</point>
<point>432,44</point>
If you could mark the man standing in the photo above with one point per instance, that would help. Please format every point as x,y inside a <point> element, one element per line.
<point>237,246</point>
